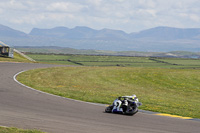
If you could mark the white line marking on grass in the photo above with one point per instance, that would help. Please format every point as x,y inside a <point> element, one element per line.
<point>14,77</point>
<point>3,126</point>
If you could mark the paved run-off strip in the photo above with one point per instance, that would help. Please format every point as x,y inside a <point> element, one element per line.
<point>98,104</point>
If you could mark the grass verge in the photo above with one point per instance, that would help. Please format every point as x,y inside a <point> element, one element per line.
<point>15,130</point>
<point>173,91</point>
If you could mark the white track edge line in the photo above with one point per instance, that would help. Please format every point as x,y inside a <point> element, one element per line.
<point>3,126</point>
<point>14,77</point>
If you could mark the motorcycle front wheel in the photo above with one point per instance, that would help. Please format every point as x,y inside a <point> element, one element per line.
<point>131,110</point>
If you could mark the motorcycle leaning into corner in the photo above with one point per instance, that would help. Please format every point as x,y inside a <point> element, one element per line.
<point>127,105</point>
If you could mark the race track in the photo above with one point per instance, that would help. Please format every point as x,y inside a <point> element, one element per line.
<point>25,108</point>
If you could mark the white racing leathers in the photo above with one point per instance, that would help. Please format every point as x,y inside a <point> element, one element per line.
<point>117,106</point>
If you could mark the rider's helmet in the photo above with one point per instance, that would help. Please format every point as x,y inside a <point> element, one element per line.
<point>134,96</point>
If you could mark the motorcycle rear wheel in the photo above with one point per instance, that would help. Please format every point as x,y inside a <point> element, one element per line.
<point>109,109</point>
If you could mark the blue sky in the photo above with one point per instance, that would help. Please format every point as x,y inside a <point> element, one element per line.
<point>127,15</point>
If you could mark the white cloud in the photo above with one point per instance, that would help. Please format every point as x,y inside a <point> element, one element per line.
<point>65,7</point>
<point>95,2</point>
<point>192,17</point>
<point>147,3</point>
<point>195,17</point>
<point>12,5</point>
<point>1,11</point>
<point>29,19</point>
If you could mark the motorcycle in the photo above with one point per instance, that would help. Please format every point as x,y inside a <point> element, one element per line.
<point>127,105</point>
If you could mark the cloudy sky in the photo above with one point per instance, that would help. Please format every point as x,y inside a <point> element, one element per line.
<point>126,15</point>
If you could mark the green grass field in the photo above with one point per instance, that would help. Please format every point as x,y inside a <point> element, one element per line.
<point>181,62</point>
<point>89,60</point>
<point>173,91</point>
<point>15,130</point>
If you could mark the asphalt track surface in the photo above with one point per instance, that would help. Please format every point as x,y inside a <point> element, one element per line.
<point>25,108</point>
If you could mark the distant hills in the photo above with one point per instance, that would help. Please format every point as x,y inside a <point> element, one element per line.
<point>158,39</point>
<point>78,33</point>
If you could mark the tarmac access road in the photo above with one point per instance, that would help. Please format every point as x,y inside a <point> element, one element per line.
<point>28,109</point>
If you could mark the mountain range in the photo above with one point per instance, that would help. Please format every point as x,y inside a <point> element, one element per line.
<point>158,39</point>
